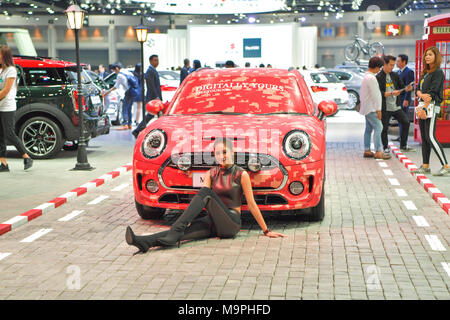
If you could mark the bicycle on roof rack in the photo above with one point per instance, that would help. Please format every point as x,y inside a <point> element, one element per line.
<point>353,50</point>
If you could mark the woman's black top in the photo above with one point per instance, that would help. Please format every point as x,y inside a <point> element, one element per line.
<point>433,84</point>
<point>226,183</point>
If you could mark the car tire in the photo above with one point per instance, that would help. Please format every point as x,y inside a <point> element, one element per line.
<point>35,142</point>
<point>149,213</point>
<point>353,99</point>
<point>318,212</point>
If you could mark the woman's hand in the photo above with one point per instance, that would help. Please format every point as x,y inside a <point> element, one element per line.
<point>421,114</point>
<point>426,97</point>
<point>272,234</point>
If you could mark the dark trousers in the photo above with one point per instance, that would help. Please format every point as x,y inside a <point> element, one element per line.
<point>126,109</point>
<point>7,133</point>
<point>402,119</point>
<point>220,221</point>
<point>428,134</point>
<point>143,123</point>
<point>400,126</point>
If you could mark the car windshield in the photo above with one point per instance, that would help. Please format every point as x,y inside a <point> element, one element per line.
<point>239,94</point>
<point>324,77</point>
<point>169,75</point>
<point>71,74</point>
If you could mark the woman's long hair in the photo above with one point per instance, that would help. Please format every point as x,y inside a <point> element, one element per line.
<point>437,60</point>
<point>7,58</point>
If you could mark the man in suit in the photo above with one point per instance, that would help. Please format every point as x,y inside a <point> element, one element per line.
<point>390,86</point>
<point>153,91</point>
<point>407,76</point>
<point>185,70</point>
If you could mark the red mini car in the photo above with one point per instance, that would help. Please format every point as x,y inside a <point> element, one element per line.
<point>277,130</point>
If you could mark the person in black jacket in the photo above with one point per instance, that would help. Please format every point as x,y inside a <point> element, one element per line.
<point>390,86</point>
<point>430,90</point>
<point>185,70</point>
<point>153,91</point>
<point>407,76</point>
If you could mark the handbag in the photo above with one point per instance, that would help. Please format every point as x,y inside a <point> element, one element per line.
<point>429,110</point>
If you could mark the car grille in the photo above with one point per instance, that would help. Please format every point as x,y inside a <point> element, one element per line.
<point>263,199</point>
<point>206,160</point>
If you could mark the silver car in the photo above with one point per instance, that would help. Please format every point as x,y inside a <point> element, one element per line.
<point>352,81</point>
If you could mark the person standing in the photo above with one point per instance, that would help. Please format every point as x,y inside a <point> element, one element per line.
<point>430,90</point>
<point>197,65</point>
<point>370,107</point>
<point>138,99</point>
<point>102,72</point>
<point>153,91</point>
<point>185,70</point>
<point>390,86</point>
<point>8,107</point>
<point>122,81</point>
<point>407,76</point>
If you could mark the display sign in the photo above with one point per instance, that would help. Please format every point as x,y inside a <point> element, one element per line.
<point>393,30</point>
<point>328,32</point>
<point>252,48</point>
<point>441,30</point>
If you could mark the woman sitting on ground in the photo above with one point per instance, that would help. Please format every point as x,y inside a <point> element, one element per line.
<point>221,195</point>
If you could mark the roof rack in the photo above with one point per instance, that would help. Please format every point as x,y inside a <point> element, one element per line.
<point>33,57</point>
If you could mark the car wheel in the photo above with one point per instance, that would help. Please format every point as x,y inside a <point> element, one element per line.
<point>318,212</point>
<point>148,213</point>
<point>41,137</point>
<point>353,100</point>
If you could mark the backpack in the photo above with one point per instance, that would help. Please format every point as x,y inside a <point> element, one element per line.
<point>133,84</point>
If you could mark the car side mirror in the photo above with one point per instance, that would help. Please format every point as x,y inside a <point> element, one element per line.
<point>327,108</point>
<point>155,106</point>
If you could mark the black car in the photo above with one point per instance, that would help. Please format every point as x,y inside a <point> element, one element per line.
<point>47,106</point>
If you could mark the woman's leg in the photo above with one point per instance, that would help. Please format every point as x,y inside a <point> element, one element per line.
<point>424,126</point>
<point>437,147</point>
<point>192,211</point>
<point>2,140</point>
<point>10,134</point>
<point>227,223</point>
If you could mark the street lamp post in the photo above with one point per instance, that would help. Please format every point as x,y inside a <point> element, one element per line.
<point>141,35</point>
<point>75,17</point>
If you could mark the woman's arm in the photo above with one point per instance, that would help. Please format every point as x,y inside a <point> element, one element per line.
<point>8,85</point>
<point>436,86</point>
<point>253,207</point>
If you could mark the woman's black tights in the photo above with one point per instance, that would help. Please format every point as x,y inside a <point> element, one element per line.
<point>220,221</point>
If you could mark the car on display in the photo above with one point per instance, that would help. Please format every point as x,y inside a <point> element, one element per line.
<point>352,82</point>
<point>47,106</point>
<point>278,131</point>
<point>324,85</point>
<point>352,66</point>
<point>169,80</point>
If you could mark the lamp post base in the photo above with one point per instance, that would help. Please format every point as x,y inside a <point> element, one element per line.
<point>82,161</point>
<point>82,167</point>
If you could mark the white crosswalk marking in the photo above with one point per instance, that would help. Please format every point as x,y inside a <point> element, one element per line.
<point>446,267</point>
<point>98,200</point>
<point>409,205</point>
<point>435,243</point>
<point>121,187</point>
<point>383,164</point>
<point>388,172</point>
<point>37,235</point>
<point>394,182</point>
<point>3,255</point>
<point>71,215</point>
<point>401,192</point>
<point>421,221</point>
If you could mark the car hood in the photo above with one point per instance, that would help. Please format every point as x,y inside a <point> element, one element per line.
<point>193,133</point>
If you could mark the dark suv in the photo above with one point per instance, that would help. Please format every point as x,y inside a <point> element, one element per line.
<point>47,108</point>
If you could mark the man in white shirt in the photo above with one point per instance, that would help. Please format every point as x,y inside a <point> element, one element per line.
<point>370,97</point>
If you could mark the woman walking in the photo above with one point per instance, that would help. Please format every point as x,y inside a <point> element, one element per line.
<point>430,92</point>
<point>221,195</point>
<point>8,90</point>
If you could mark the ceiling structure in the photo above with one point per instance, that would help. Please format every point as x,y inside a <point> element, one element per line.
<point>213,7</point>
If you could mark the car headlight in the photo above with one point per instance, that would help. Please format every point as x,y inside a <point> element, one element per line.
<point>297,144</point>
<point>154,143</point>
<point>184,163</point>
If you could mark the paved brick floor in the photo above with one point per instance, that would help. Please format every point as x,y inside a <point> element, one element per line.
<point>368,246</point>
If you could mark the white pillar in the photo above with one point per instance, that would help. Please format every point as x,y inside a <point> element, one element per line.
<point>51,40</point>
<point>112,43</point>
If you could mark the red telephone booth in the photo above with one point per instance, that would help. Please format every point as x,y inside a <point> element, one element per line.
<point>437,33</point>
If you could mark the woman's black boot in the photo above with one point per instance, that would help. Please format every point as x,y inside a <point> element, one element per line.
<point>143,243</point>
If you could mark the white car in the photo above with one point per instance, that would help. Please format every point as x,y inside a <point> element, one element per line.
<point>170,81</point>
<point>324,85</point>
